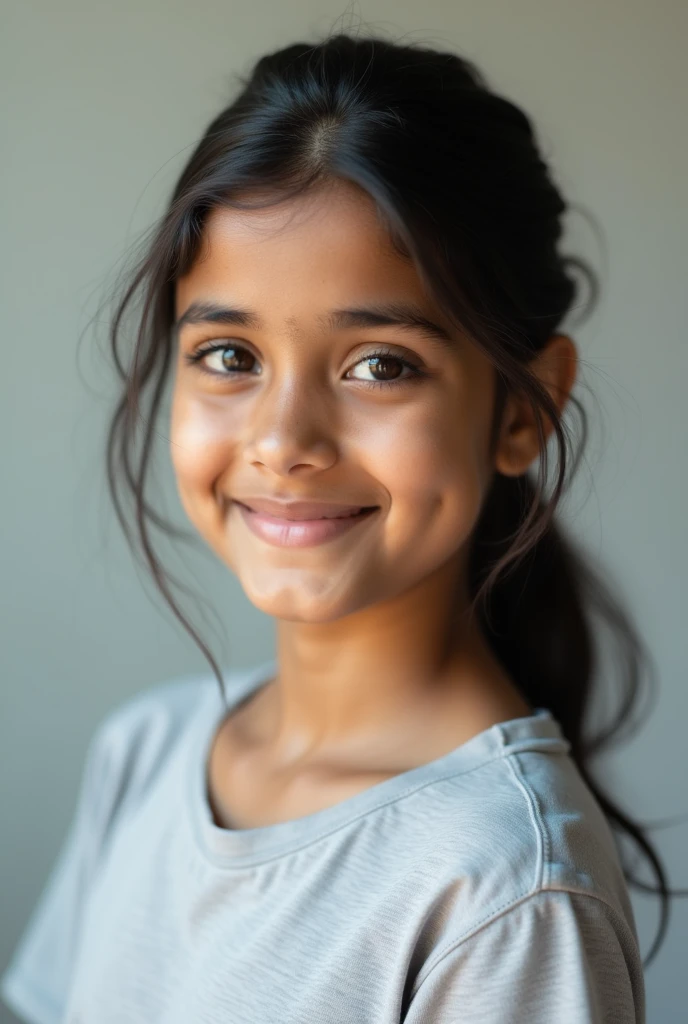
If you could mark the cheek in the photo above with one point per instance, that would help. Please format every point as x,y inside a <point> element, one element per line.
<point>200,446</point>
<point>431,463</point>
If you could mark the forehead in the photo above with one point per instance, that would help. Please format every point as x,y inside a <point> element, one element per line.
<point>318,249</point>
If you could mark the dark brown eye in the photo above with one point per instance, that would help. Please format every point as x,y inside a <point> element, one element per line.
<point>235,358</point>
<point>383,368</point>
<point>386,367</point>
<point>222,359</point>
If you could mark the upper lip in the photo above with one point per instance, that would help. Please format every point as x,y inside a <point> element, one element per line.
<point>300,509</point>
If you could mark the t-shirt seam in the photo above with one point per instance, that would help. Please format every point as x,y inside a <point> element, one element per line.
<point>502,911</point>
<point>541,835</point>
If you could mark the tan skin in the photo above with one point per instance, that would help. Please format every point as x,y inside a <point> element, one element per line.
<point>373,679</point>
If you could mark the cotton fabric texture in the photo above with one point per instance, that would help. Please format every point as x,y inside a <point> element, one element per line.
<point>481,887</point>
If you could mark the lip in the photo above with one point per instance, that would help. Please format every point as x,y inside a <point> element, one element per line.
<point>297,510</point>
<point>300,532</point>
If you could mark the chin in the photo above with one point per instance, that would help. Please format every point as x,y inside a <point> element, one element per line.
<point>289,609</point>
<point>300,600</point>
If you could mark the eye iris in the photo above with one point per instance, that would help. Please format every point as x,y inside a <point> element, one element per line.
<point>383,363</point>
<point>236,358</point>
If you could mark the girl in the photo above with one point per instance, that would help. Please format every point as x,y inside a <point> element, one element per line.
<point>356,292</point>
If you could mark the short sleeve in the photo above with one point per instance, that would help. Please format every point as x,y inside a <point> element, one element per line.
<point>36,983</point>
<point>556,956</point>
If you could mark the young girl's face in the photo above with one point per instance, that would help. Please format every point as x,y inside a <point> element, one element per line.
<point>293,406</point>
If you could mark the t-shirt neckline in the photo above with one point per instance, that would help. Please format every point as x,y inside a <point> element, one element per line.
<point>244,847</point>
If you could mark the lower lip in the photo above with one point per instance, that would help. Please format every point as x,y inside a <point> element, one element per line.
<point>298,533</point>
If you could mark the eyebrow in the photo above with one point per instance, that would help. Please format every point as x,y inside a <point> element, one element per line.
<point>404,315</point>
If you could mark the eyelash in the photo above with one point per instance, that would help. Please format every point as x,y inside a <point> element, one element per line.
<point>195,359</point>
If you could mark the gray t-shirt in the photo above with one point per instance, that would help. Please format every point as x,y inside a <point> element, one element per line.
<point>481,887</point>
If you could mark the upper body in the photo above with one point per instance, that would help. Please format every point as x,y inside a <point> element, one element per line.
<point>367,364</point>
<point>483,886</point>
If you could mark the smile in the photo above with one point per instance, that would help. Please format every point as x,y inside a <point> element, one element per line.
<point>299,533</point>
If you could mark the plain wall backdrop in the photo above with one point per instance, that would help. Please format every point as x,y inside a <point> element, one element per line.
<point>101,104</point>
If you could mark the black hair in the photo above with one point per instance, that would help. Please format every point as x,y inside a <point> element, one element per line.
<point>457,176</point>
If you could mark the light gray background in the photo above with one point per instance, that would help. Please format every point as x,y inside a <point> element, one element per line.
<point>101,104</point>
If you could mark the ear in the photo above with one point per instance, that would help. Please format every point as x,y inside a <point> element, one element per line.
<point>556,366</point>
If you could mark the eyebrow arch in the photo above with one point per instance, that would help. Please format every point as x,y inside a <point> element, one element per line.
<point>405,315</point>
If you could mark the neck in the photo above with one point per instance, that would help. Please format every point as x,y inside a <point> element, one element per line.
<point>381,673</point>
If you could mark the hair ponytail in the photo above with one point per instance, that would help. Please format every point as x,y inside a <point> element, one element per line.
<point>542,619</point>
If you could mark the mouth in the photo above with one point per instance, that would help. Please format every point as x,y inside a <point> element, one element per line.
<point>300,510</point>
<point>293,531</point>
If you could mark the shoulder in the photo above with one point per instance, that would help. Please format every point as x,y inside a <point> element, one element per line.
<point>532,894</point>
<point>572,845</point>
<point>163,707</point>
<point>141,735</point>
<point>519,822</point>
<point>152,720</point>
<point>166,709</point>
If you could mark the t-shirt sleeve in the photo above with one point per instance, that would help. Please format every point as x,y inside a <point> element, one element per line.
<point>556,956</point>
<point>36,982</point>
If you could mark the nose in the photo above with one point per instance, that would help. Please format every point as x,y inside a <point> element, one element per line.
<point>291,429</point>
